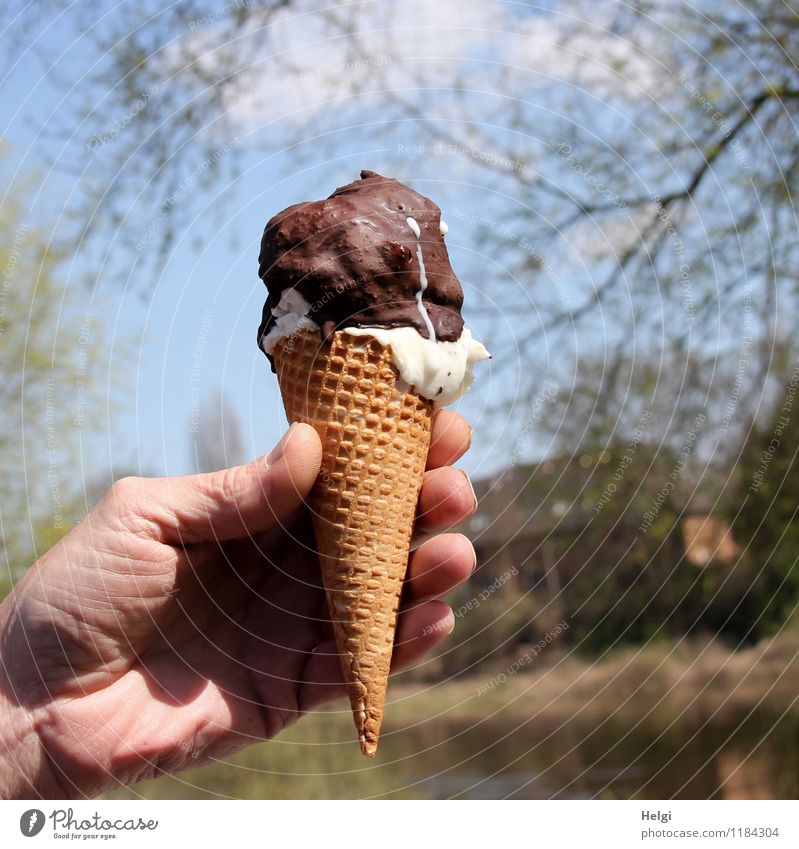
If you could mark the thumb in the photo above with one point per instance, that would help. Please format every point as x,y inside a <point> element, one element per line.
<point>242,500</point>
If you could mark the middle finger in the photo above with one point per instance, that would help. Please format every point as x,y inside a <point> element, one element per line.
<point>446,499</point>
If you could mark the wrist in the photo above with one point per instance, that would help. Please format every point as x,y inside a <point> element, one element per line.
<point>20,753</point>
<point>24,769</point>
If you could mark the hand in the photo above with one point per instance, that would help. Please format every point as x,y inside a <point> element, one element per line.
<point>184,619</point>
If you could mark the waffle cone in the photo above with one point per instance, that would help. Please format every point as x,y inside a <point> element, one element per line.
<point>375,435</point>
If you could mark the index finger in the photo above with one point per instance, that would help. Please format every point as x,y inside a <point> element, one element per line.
<point>450,439</point>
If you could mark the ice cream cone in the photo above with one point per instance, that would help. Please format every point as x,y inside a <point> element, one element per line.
<point>370,260</point>
<point>375,435</point>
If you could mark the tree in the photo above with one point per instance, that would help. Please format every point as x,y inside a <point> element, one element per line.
<point>216,436</point>
<point>765,518</point>
<point>48,396</point>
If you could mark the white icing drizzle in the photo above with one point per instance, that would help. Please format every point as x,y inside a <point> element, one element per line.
<point>423,280</point>
<point>413,224</point>
<point>443,227</point>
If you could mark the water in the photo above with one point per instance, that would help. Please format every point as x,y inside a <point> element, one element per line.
<point>755,756</point>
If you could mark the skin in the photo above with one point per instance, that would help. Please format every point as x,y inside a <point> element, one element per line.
<point>183,619</point>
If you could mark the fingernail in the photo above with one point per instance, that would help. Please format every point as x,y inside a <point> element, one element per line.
<point>277,452</point>
<point>450,622</point>
<point>474,553</point>
<point>471,489</point>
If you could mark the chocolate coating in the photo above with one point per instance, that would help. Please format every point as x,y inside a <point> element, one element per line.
<point>353,258</point>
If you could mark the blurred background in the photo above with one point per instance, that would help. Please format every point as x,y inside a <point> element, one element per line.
<point>618,180</point>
